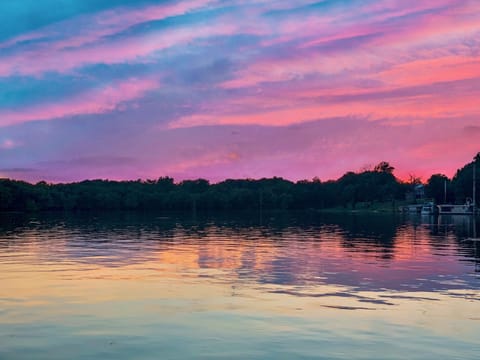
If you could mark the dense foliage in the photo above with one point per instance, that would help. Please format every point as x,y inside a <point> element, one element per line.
<point>367,187</point>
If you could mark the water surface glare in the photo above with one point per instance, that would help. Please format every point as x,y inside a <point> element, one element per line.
<point>275,286</point>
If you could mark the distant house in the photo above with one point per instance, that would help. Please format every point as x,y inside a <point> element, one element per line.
<point>416,194</point>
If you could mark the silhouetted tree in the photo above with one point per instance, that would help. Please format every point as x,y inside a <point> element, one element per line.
<point>385,167</point>
<point>435,188</point>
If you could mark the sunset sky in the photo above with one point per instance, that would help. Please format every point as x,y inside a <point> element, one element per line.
<point>219,89</point>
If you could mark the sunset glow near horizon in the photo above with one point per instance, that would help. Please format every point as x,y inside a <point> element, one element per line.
<point>222,89</point>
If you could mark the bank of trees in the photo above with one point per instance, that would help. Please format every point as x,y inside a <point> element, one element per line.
<point>458,189</point>
<point>366,187</point>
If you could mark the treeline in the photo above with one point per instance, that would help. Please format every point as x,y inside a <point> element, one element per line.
<point>378,185</point>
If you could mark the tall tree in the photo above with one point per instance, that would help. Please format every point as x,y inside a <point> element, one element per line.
<point>435,188</point>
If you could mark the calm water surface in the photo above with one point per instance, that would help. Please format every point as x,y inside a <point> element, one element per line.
<point>296,286</point>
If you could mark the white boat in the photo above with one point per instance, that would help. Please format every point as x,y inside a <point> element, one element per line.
<point>428,209</point>
<point>451,209</point>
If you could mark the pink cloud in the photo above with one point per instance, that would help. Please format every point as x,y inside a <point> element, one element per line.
<point>448,68</point>
<point>378,42</point>
<point>8,144</point>
<point>97,101</point>
<point>207,160</point>
<point>300,66</point>
<point>396,75</point>
<point>318,28</point>
<point>395,106</point>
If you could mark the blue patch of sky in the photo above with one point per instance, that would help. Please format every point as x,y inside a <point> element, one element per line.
<point>20,16</point>
<point>415,16</point>
<point>317,7</point>
<point>211,72</point>
<point>214,60</point>
<point>232,46</point>
<point>173,22</point>
<point>111,72</point>
<point>25,45</point>
<point>19,91</point>
<point>169,63</point>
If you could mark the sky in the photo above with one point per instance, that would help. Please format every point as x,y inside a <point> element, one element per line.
<point>217,89</point>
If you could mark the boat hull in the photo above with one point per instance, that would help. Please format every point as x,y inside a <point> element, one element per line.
<point>448,209</point>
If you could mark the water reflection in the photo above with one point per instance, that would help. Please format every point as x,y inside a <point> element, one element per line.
<point>369,252</point>
<point>288,282</point>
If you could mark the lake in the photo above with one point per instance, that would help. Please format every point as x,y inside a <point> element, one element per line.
<point>254,286</point>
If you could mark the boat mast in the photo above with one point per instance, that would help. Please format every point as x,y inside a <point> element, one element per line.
<point>474,184</point>
<point>445,192</point>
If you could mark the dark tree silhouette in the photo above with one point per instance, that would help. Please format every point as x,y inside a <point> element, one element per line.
<point>435,188</point>
<point>366,187</point>
<point>384,167</point>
